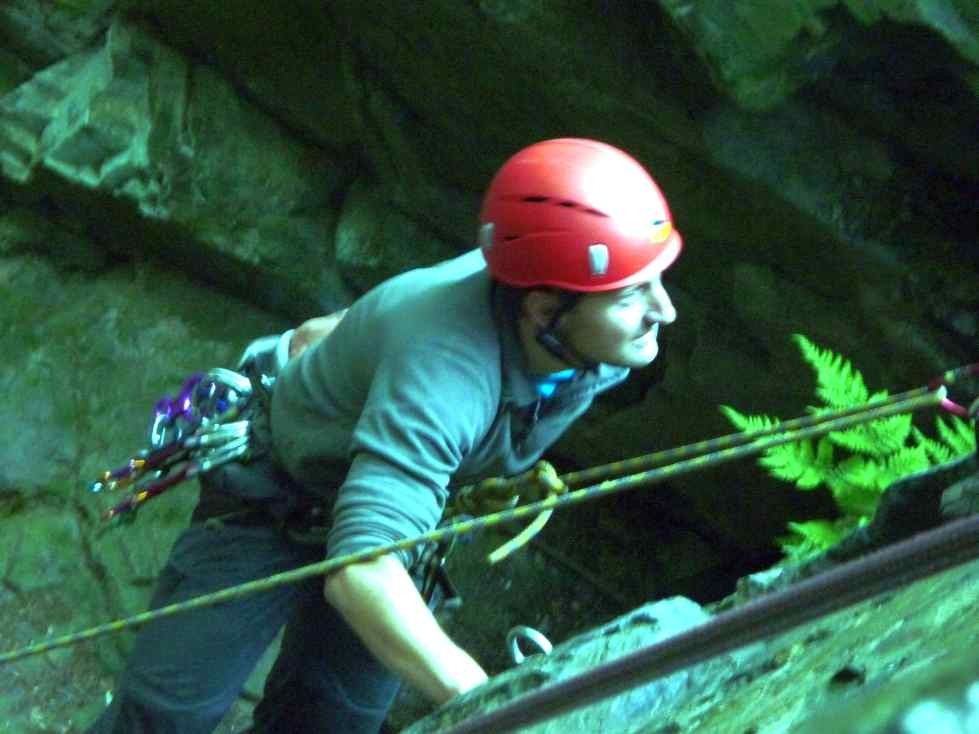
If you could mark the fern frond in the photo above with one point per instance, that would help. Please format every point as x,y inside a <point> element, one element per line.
<point>821,468</point>
<point>937,452</point>
<point>854,472</point>
<point>748,423</point>
<point>798,462</point>
<point>878,438</point>
<point>902,463</point>
<point>890,434</point>
<point>823,533</point>
<point>794,462</point>
<point>959,437</point>
<point>810,538</point>
<point>853,484</point>
<point>797,548</point>
<point>878,453</point>
<point>838,384</point>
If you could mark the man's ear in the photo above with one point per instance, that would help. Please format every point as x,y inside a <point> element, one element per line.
<point>539,307</point>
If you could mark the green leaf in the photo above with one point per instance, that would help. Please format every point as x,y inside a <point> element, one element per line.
<point>868,458</point>
<point>856,472</point>
<point>808,539</point>
<point>821,467</point>
<point>796,548</point>
<point>890,434</point>
<point>938,453</point>
<point>748,423</point>
<point>852,483</point>
<point>824,452</point>
<point>902,463</point>
<point>793,462</point>
<point>877,438</point>
<point>822,533</point>
<point>959,437</point>
<point>838,384</point>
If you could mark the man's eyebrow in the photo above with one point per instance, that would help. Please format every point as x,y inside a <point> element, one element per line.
<point>630,289</point>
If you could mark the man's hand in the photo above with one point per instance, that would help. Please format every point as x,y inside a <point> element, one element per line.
<point>380,602</point>
<point>311,331</point>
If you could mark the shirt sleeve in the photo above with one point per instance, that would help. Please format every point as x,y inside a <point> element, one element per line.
<point>425,410</point>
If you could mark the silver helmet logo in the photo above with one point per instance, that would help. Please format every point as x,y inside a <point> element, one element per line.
<point>486,236</point>
<point>598,259</point>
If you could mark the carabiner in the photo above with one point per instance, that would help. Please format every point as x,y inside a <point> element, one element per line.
<point>529,634</point>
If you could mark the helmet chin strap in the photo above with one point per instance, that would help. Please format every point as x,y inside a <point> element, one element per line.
<point>547,336</point>
<point>564,352</point>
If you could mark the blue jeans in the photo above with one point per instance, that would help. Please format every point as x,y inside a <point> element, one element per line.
<point>185,671</point>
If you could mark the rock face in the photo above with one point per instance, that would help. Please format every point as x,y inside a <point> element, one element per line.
<point>879,666</point>
<point>178,177</point>
<point>761,58</point>
<point>640,707</point>
<point>169,144</point>
<point>87,354</point>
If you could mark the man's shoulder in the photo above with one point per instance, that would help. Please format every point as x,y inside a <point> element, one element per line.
<point>455,273</point>
<point>446,304</point>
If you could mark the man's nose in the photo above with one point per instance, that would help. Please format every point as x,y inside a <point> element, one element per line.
<point>661,308</point>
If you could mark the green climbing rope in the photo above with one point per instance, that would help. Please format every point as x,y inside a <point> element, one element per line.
<point>703,454</point>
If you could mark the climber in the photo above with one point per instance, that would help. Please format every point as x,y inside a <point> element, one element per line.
<point>448,374</point>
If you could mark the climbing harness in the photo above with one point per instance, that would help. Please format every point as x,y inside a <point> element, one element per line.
<point>684,460</point>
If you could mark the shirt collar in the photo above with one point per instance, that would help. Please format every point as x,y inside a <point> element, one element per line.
<point>519,386</point>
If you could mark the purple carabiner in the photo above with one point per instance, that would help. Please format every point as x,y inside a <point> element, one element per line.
<point>162,418</point>
<point>184,403</point>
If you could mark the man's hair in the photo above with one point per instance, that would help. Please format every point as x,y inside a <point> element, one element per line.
<point>510,298</point>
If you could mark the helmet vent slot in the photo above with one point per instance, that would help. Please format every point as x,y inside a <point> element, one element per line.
<point>536,199</point>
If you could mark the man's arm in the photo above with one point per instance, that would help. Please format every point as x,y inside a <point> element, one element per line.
<point>312,330</point>
<point>380,602</point>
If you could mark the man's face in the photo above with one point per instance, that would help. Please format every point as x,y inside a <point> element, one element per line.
<point>619,327</point>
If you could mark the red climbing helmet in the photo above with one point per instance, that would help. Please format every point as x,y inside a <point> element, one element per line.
<point>575,214</point>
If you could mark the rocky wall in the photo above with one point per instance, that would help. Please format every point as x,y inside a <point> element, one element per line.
<point>168,163</point>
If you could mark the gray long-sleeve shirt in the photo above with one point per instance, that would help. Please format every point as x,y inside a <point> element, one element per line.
<point>421,385</point>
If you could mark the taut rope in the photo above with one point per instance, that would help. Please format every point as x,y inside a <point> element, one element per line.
<point>702,455</point>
